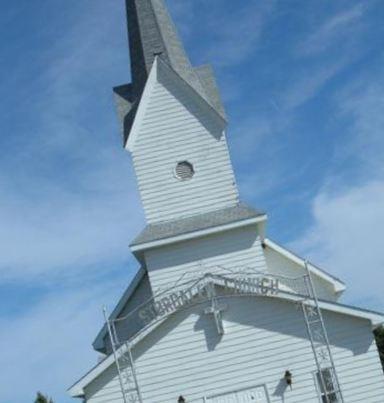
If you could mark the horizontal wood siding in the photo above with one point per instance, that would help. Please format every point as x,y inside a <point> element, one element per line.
<point>232,250</point>
<point>176,128</point>
<point>263,338</point>
<point>280,265</point>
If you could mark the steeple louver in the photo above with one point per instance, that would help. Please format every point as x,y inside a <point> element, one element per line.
<point>152,33</point>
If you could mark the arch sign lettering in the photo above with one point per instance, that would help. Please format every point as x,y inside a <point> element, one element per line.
<point>203,290</point>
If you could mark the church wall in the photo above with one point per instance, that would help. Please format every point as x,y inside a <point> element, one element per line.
<point>280,265</point>
<point>174,128</point>
<point>263,338</point>
<point>236,249</point>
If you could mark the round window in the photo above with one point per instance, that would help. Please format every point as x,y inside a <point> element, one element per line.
<point>184,170</point>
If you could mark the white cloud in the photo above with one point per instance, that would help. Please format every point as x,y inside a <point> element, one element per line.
<point>69,199</point>
<point>68,209</point>
<point>346,238</point>
<point>49,346</point>
<point>59,232</point>
<point>348,213</point>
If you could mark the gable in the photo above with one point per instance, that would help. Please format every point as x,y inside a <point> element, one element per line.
<point>281,261</point>
<point>161,355</point>
<point>173,125</point>
<point>278,262</point>
<point>162,76</point>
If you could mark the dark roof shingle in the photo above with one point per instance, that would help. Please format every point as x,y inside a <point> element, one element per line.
<point>156,232</point>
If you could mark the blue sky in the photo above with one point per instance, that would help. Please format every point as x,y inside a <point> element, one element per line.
<point>303,83</point>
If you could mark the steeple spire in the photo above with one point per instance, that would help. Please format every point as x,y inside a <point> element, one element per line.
<point>152,33</point>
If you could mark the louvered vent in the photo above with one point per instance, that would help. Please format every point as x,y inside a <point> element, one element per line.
<point>184,170</point>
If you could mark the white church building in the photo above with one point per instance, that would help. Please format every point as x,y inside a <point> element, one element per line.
<point>217,312</point>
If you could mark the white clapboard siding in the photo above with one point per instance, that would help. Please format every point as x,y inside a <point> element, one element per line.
<point>280,265</point>
<point>263,338</point>
<point>175,127</point>
<point>236,249</point>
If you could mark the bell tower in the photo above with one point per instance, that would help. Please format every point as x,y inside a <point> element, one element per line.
<point>173,122</point>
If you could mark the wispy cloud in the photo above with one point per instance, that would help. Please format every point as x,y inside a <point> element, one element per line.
<point>60,232</point>
<point>68,202</point>
<point>48,346</point>
<point>257,139</point>
<point>361,104</point>
<point>309,82</point>
<point>237,39</point>
<point>346,238</point>
<point>348,215</point>
<point>68,197</point>
<point>226,42</point>
<point>335,29</point>
<point>328,49</point>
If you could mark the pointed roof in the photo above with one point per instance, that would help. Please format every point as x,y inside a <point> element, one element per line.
<point>152,33</point>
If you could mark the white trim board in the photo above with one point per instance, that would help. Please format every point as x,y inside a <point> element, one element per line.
<point>338,285</point>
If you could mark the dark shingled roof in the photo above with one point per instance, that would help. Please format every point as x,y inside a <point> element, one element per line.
<point>156,232</point>
<point>152,33</point>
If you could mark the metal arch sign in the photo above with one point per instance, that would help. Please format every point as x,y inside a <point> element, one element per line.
<point>200,292</point>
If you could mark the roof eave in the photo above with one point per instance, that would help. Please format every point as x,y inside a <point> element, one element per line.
<point>98,343</point>
<point>338,285</point>
<point>144,99</point>
<point>376,319</point>
<point>138,248</point>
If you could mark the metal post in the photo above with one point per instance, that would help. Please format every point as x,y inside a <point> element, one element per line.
<point>134,371</point>
<point>115,354</point>
<point>315,353</point>
<point>324,331</point>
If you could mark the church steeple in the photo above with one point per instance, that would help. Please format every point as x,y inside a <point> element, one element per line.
<point>173,122</point>
<point>152,33</point>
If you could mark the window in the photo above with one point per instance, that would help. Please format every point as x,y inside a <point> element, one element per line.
<point>184,170</point>
<point>328,390</point>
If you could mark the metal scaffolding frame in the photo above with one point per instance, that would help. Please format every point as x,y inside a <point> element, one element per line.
<point>125,365</point>
<point>318,336</point>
